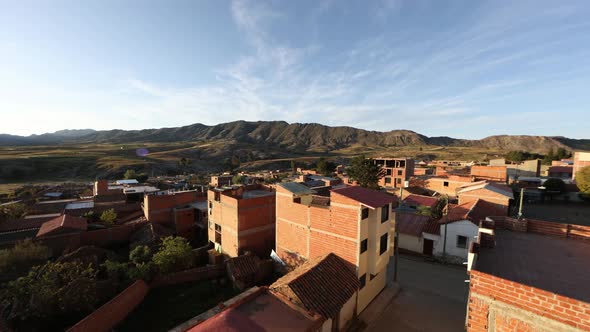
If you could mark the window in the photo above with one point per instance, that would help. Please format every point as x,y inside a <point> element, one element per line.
<point>387,180</point>
<point>373,276</point>
<point>445,184</point>
<point>461,241</point>
<point>364,245</point>
<point>363,280</point>
<point>388,172</point>
<point>383,244</point>
<point>400,172</point>
<point>364,213</point>
<point>218,233</point>
<point>385,213</point>
<point>398,181</point>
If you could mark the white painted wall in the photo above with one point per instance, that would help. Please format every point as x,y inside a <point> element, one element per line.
<point>327,326</point>
<point>410,242</point>
<point>347,311</point>
<point>465,228</point>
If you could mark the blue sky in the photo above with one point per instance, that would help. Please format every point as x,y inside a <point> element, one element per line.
<point>465,69</point>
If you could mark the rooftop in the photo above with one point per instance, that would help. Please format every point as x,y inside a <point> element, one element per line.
<point>66,222</point>
<point>371,198</point>
<point>473,211</point>
<point>322,285</point>
<point>550,263</point>
<point>256,193</point>
<point>421,200</point>
<point>498,188</point>
<point>263,312</point>
<point>410,223</point>
<point>80,205</point>
<point>296,188</point>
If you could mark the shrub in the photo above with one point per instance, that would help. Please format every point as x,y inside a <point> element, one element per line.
<point>174,255</point>
<point>109,216</point>
<point>23,255</point>
<point>583,180</point>
<point>140,254</point>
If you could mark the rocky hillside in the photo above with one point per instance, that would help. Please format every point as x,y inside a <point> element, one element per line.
<point>295,137</point>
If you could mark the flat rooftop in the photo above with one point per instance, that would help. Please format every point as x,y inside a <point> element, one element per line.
<point>256,193</point>
<point>557,265</point>
<point>273,315</point>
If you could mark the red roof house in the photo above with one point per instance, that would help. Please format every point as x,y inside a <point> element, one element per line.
<point>63,224</point>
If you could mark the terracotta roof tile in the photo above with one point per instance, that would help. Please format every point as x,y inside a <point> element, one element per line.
<point>322,285</point>
<point>410,223</point>
<point>473,211</point>
<point>243,266</point>
<point>63,222</point>
<point>421,200</point>
<point>368,197</point>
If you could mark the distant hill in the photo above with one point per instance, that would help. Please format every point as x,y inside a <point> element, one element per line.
<point>295,137</point>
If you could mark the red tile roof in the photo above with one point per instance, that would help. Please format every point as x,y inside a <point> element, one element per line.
<point>498,188</point>
<point>64,222</point>
<point>21,224</point>
<point>432,227</point>
<point>421,200</point>
<point>322,285</point>
<point>230,320</point>
<point>473,211</point>
<point>410,223</point>
<point>371,198</point>
<point>243,266</point>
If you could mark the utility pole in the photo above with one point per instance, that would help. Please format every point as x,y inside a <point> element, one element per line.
<point>445,239</point>
<point>520,203</point>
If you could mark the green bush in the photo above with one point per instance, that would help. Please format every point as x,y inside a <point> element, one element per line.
<point>23,255</point>
<point>109,216</point>
<point>583,180</point>
<point>140,254</point>
<point>51,290</point>
<point>174,255</point>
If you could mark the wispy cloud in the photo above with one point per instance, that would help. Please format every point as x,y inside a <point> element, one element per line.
<point>378,82</point>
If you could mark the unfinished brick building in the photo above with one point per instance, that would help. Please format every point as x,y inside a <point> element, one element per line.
<point>499,196</point>
<point>490,173</point>
<point>184,211</point>
<point>529,275</point>
<point>242,219</point>
<point>353,223</point>
<point>396,171</point>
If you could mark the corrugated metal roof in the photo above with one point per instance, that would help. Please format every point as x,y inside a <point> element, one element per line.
<point>296,188</point>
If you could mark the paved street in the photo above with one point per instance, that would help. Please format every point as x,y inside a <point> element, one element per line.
<point>433,297</point>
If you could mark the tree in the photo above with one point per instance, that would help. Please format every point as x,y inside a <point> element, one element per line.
<point>140,254</point>
<point>174,255</point>
<point>130,174</point>
<point>422,210</point>
<point>583,180</point>
<point>141,177</point>
<point>13,211</point>
<point>22,256</point>
<point>51,290</point>
<point>325,167</point>
<point>184,164</point>
<point>554,185</point>
<point>238,179</point>
<point>365,172</point>
<point>108,216</point>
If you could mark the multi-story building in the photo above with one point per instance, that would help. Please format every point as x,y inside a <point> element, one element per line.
<point>490,173</point>
<point>581,160</point>
<point>221,180</point>
<point>396,171</point>
<point>353,222</point>
<point>185,211</point>
<point>242,219</point>
<point>515,170</point>
<point>445,184</point>
<point>529,275</point>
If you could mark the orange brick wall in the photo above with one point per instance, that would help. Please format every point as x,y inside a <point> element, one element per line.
<point>493,173</point>
<point>323,244</point>
<point>485,289</point>
<point>158,208</point>
<point>437,184</point>
<point>256,212</point>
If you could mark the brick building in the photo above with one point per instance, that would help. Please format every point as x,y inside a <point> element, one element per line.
<point>581,160</point>
<point>490,173</point>
<point>221,180</point>
<point>184,211</point>
<point>446,184</point>
<point>497,195</point>
<point>242,219</point>
<point>396,171</point>
<point>529,275</point>
<point>354,223</point>
<point>523,168</point>
<point>561,172</point>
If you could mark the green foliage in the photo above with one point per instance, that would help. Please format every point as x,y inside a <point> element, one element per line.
<point>115,270</point>
<point>325,167</point>
<point>22,256</point>
<point>130,174</point>
<point>174,255</point>
<point>140,254</point>
<point>560,154</point>
<point>518,156</point>
<point>51,290</point>
<point>141,271</point>
<point>141,177</point>
<point>583,180</point>
<point>554,184</point>
<point>365,172</point>
<point>13,211</point>
<point>184,164</point>
<point>237,179</point>
<point>424,211</point>
<point>108,216</point>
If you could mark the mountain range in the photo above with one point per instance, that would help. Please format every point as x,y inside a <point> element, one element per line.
<point>295,137</point>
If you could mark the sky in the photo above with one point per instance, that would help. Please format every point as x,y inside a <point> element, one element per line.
<point>466,69</point>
